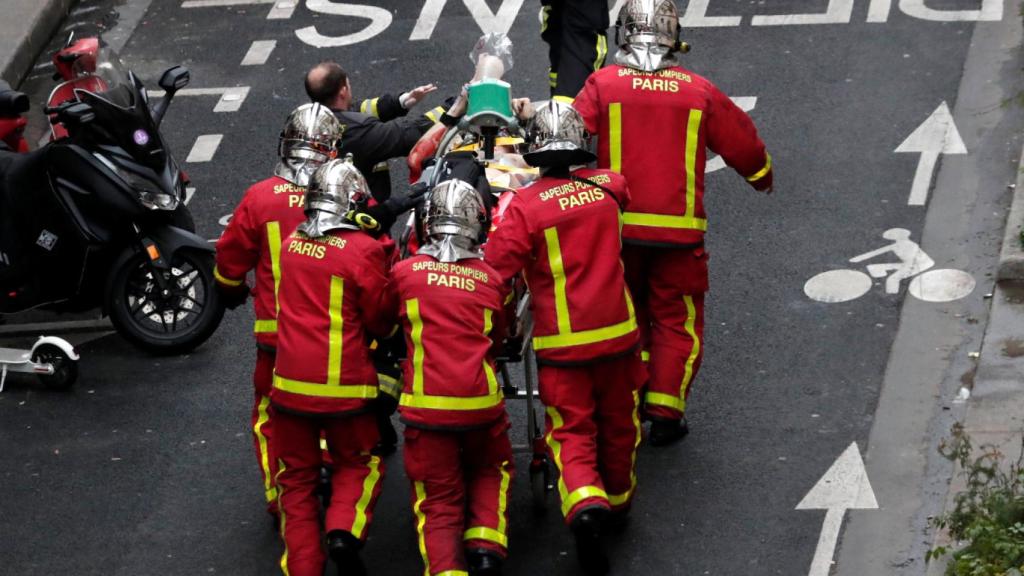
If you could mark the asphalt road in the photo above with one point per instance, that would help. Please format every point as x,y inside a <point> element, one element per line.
<point>146,466</point>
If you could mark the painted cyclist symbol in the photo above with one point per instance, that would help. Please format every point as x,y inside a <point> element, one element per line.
<point>926,283</point>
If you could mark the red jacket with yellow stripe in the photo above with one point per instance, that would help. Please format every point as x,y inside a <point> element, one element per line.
<point>565,234</point>
<point>334,293</point>
<point>654,129</point>
<point>269,211</point>
<point>452,315</point>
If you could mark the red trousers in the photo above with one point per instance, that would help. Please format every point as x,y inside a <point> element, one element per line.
<point>668,287</point>
<point>460,482</point>
<point>262,425</point>
<point>355,482</point>
<point>593,431</point>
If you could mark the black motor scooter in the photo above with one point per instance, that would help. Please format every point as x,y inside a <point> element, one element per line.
<point>98,220</point>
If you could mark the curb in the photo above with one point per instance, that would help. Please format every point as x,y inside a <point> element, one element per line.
<point>1011,255</point>
<point>32,25</point>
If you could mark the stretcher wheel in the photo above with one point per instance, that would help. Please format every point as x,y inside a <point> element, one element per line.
<point>65,370</point>
<point>540,483</point>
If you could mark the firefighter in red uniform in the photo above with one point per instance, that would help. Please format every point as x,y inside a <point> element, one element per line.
<point>457,452</point>
<point>334,293</point>
<point>270,211</point>
<point>655,120</point>
<point>564,230</point>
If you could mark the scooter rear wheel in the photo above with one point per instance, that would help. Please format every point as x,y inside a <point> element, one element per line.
<point>65,370</point>
<point>171,323</point>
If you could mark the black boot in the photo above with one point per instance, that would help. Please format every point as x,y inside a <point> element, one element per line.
<point>483,562</point>
<point>344,548</point>
<point>587,528</point>
<point>665,432</point>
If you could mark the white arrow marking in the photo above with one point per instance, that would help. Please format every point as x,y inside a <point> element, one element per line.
<point>844,487</point>
<point>937,135</point>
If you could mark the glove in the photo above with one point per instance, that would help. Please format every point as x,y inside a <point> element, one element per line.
<point>233,296</point>
<point>375,220</point>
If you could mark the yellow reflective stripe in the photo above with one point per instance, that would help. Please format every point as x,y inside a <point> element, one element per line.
<point>284,557</point>
<point>225,280</point>
<point>450,402</point>
<point>389,385</point>
<point>369,107</point>
<point>761,173</point>
<point>645,356</point>
<point>363,106</point>
<point>552,78</point>
<point>556,452</point>
<point>492,380</point>
<point>412,310</point>
<point>690,327</point>
<point>668,400</point>
<point>620,499</point>
<point>369,485</point>
<point>335,335</point>
<point>421,522</point>
<point>485,533</point>
<point>263,416</point>
<point>602,51</point>
<point>324,390</point>
<point>452,573</point>
<point>590,336</point>
<point>692,140</point>
<point>435,114</point>
<point>565,99</point>
<point>274,242</point>
<point>265,326</point>
<point>545,13</point>
<point>558,274</point>
<point>615,137</point>
<point>580,494</point>
<point>664,221</point>
<point>323,444</point>
<point>506,478</point>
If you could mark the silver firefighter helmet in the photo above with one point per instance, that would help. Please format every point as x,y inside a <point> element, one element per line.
<point>335,190</point>
<point>456,222</point>
<point>309,138</point>
<point>558,137</point>
<point>647,32</point>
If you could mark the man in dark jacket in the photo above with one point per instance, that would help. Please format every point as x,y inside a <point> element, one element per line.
<point>379,131</point>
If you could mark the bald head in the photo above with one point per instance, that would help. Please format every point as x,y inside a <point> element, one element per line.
<point>327,84</point>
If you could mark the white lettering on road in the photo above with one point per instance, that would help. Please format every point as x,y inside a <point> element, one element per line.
<point>746,103</point>
<point>283,10</point>
<point>937,135</point>
<point>205,148</point>
<point>838,12</point>
<point>213,3</point>
<point>379,19</point>
<point>991,10</point>
<point>696,16</point>
<point>499,22</point>
<point>259,52</point>
<point>878,11</point>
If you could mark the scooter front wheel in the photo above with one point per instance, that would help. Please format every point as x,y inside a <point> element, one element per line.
<point>173,320</point>
<point>65,369</point>
<point>837,286</point>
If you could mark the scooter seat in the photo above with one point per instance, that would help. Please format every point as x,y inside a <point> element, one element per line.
<point>21,171</point>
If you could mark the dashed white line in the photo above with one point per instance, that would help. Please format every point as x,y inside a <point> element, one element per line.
<point>232,99</point>
<point>259,52</point>
<point>205,148</point>
<point>189,193</point>
<point>282,10</point>
<point>212,3</point>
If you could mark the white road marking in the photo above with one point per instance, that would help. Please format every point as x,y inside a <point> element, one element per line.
<point>838,12</point>
<point>937,135</point>
<point>189,193</point>
<point>696,16</point>
<point>282,10</point>
<point>231,98</point>
<point>499,22</point>
<point>991,10</point>
<point>943,285</point>
<point>746,103</point>
<point>205,148</point>
<point>259,52</point>
<point>844,487</point>
<point>214,3</point>
<point>837,286</point>
<point>878,10</point>
<point>380,20</point>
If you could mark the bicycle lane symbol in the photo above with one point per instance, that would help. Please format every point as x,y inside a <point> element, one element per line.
<point>912,263</point>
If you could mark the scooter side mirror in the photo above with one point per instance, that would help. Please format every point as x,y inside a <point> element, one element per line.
<point>12,103</point>
<point>174,79</point>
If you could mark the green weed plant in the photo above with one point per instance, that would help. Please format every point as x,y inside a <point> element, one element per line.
<point>988,515</point>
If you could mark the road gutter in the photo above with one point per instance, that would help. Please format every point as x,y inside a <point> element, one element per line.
<point>931,355</point>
